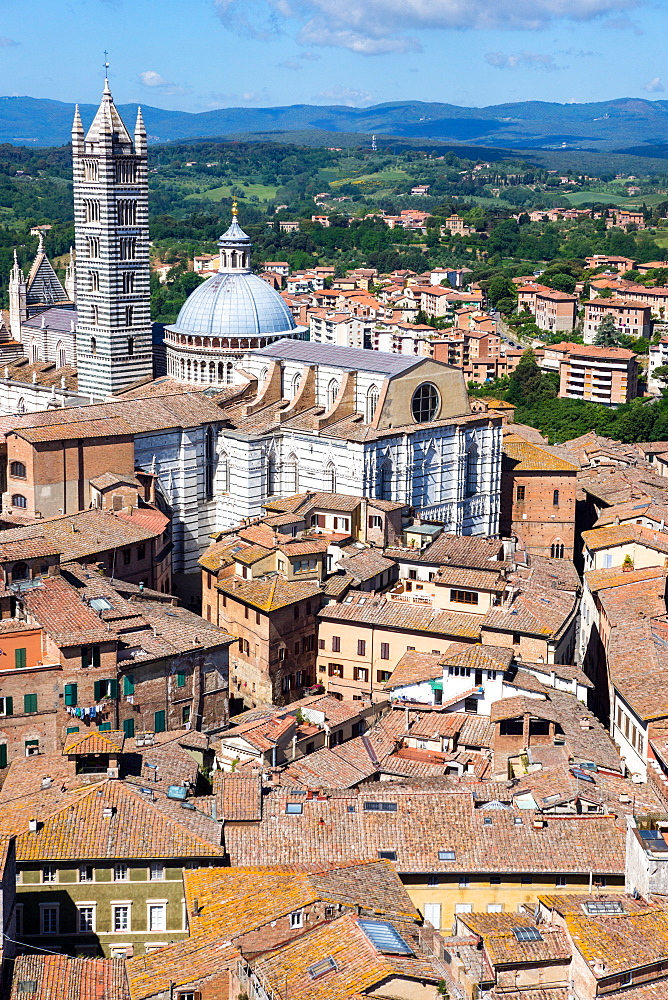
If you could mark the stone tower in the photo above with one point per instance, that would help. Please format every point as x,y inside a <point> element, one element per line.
<point>114,345</point>
<point>18,309</point>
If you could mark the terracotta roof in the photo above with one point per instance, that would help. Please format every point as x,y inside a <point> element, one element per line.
<point>531,458</point>
<point>26,545</point>
<point>269,595</point>
<point>367,564</point>
<point>59,977</point>
<point>502,946</point>
<point>135,829</point>
<point>422,823</point>
<point>357,965</point>
<point>238,796</point>
<point>377,610</point>
<point>61,612</point>
<point>110,742</point>
<point>624,534</point>
<point>414,668</point>
<point>185,963</point>
<point>606,579</point>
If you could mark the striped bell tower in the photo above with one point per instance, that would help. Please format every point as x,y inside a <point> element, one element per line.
<point>114,345</point>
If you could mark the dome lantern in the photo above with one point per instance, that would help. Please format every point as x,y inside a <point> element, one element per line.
<point>235,246</point>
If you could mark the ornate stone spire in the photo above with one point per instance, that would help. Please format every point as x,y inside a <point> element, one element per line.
<point>235,245</point>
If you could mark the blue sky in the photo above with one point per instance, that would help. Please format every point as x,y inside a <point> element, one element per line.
<point>195,55</point>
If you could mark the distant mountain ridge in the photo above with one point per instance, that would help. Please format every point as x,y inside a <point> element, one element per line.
<point>606,125</point>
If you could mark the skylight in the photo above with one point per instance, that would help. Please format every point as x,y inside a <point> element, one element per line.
<point>101,604</point>
<point>601,906</point>
<point>385,938</point>
<point>446,855</point>
<point>527,934</point>
<point>388,855</point>
<point>322,967</point>
<point>388,807</point>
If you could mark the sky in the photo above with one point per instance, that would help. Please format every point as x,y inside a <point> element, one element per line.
<point>197,55</point>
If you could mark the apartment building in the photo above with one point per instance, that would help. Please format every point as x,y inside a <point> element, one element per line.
<point>631,319</point>
<point>606,375</point>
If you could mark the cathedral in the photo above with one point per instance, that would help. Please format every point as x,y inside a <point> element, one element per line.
<point>100,322</point>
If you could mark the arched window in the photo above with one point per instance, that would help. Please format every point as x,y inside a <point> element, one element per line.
<point>94,315</point>
<point>20,571</point>
<point>371,403</point>
<point>61,354</point>
<point>332,393</point>
<point>34,353</point>
<point>471,471</point>
<point>17,470</point>
<point>271,476</point>
<point>555,498</point>
<point>425,403</point>
<point>291,476</point>
<point>209,459</point>
<point>21,405</point>
<point>263,375</point>
<point>330,478</point>
<point>230,372</point>
<point>221,372</point>
<point>18,500</point>
<point>212,371</point>
<point>386,480</point>
<point>557,550</point>
<point>429,477</point>
<point>131,346</point>
<point>224,472</point>
<point>296,380</point>
<point>93,345</point>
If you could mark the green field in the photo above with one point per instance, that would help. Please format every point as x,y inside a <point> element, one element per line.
<point>263,192</point>
<point>381,177</point>
<point>581,198</point>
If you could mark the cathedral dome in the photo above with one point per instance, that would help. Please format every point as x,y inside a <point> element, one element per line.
<point>234,304</point>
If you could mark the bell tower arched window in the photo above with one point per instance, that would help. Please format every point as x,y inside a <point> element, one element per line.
<point>371,403</point>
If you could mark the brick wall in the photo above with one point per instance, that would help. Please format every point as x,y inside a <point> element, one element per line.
<point>528,510</point>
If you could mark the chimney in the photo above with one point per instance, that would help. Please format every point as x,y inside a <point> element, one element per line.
<point>47,782</point>
<point>32,825</point>
<point>109,811</point>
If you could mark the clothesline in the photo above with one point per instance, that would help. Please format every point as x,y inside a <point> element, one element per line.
<point>90,712</point>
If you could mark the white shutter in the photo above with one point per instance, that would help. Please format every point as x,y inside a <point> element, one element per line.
<point>432,913</point>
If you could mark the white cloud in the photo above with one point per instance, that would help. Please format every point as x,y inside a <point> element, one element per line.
<point>152,79</point>
<point>654,86</point>
<point>371,27</point>
<point>537,60</point>
<point>345,95</point>
<point>149,78</point>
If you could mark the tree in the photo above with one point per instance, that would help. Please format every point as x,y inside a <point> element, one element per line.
<point>528,384</point>
<point>607,334</point>
<point>561,282</point>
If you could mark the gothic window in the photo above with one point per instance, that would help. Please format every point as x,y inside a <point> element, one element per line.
<point>131,346</point>
<point>271,476</point>
<point>94,315</point>
<point>371,403</point>
<point>209,462</point>
<point>93,345</point>
<point>61,354</point>
<point>295,384</point>
<point>429,477</point>
<point>127,213</point>
<point>224,472</point>
<point>557,550</point>
<point>330,478</point>
<point>212,371</point>
<point>263,375</point>
<point>34,353</point>
<point>471,471</point>
<point>93,281</point>
<point>17,470</point>
<point>128,282</point>
<point>555,498</point>
<point>18,500</point>
<point>129,315</point>
<point>91,210</point>
<point>91,170</point>
<point>332,392</point>
<point>230,370</point>
<point>126,172</point>
<point>21,406</point>
<point>93,247</point>
<point>221,371</point>
<point>128,247</point>
<point>386,480</point>
<point>291,484</point>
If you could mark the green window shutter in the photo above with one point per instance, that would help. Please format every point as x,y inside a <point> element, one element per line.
<point>29,703</point>
<point>71,694</point>
<point>97,690</point>
<point>129,728</point>
<point>113,688</point>
<point>84,656</point>
<point>9,706</point>
<point>19,658</point>
<point>159,722</point>
<point>3,755</point>
<point>128,684</point>
<point>104,727</point>
<point>180,680</point>
<point>72,729</point>
<point>96,656</point>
